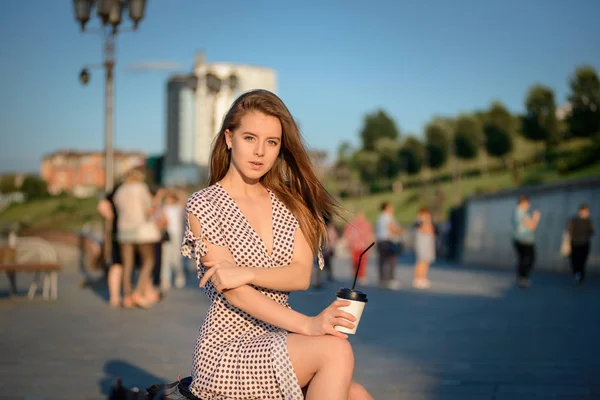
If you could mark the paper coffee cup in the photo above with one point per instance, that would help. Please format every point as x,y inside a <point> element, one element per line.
<point>357,300</point>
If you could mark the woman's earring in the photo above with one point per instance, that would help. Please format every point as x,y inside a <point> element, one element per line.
<point>228,147</point>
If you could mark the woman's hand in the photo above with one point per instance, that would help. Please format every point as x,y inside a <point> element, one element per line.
<point>323,324</point>
<point>224,274</point>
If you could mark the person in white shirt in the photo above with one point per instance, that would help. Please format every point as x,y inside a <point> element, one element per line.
<point>173,207</point>
<point>136,231</point>
<point>386,229</point>
<point>424,248</point>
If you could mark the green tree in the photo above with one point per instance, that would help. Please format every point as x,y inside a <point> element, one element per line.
<point>498,128</point>
<point>540,123</point>
<point>34,187</point>
<point>344,181</point>
<point>376,126</point>
<point>468,136</point>
<point>412,155</point>
<point>387,149</point>
<point>344,154</point>
<point>367,163</point>
<point>585,102</point>
<point>437,139</point>
<point>344,150</point>
<point>7,184</point>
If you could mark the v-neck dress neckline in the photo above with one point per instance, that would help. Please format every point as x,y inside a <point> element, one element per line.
<point>255,234</point>
<point>238,356</point>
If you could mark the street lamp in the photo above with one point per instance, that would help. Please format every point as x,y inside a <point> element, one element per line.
<point>214,84</point>
<point>109,12</point>
<point>83,9</point>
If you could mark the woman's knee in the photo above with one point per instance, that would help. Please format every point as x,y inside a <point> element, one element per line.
<point>339,351</point>
<point>358,392</point>
<point>311,354</point>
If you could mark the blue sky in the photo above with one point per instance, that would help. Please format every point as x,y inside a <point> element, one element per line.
<point>335,60</point>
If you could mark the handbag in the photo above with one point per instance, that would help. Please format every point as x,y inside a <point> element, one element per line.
<point>148,232</point>
<point>565,245</point>
<point>178,390</point>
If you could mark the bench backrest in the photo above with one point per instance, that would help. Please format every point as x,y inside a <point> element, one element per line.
<point>35,250</point>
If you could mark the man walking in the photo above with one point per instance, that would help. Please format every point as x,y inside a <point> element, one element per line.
<point>386,229</point>
<point>580,230</point>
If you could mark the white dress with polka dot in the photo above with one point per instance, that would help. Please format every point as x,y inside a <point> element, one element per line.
<point>238,356</point>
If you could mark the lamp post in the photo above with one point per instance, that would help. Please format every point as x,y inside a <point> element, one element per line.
<point>214,84</point>
<point>110,14</point>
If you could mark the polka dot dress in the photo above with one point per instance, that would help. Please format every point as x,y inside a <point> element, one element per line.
<point>238,356</point>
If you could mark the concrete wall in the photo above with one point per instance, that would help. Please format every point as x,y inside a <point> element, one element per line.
<point>488,230</point>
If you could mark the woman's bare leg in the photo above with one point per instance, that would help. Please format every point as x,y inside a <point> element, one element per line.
<point>115,277</point>
<point>127,255</point>
<point>319,361</point>
<point>421,270</point>
<point>358,392</point>
<point>145,289</point>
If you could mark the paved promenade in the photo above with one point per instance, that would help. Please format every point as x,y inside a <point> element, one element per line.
<point>472,336</point>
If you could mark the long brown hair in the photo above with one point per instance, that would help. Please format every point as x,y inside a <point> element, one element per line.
<point>292,177</point>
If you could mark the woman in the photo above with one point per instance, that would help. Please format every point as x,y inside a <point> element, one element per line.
<point>253,233</point>
<point>424,249</point>
<point>358,235</point>
<point>136,231</point>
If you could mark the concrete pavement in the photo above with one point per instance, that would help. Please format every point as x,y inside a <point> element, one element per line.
<point>473,335</point>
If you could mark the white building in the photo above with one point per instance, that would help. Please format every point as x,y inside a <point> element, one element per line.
<point>181,104</point>
<point>196,107</point>
<point>211,105</point>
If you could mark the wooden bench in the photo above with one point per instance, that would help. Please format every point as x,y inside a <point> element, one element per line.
<point>31,255</point>
<point>50,278</point>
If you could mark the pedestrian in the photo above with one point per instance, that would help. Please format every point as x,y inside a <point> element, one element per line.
<point>254,232</point>
<point>328,253</point>
<point>106,208</point>
<point>159,218</point>
<point>424,248</point>
<point>136,231</point>
<point>358,235</point>
<point>581,230</point>
<point>386,229</point>
<point>173,207</point>
<point>524,226</point>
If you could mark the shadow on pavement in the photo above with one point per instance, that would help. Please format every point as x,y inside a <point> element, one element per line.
<point>131,376</point>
